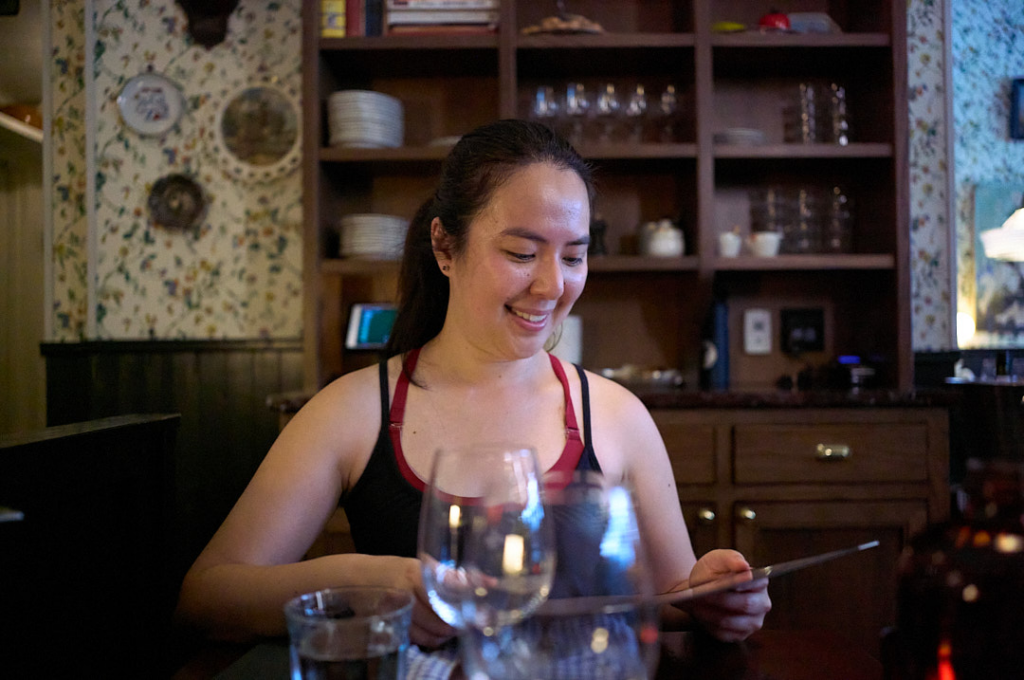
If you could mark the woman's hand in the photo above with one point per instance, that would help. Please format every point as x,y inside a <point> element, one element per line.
<point>427,630</point>
<point>734,614</point>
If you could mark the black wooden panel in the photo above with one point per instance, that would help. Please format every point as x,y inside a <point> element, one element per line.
<point>219,388</point>
<point>85,579</point>
<point>68,389</point>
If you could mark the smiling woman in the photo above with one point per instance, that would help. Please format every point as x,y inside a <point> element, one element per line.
<point>493,263</point>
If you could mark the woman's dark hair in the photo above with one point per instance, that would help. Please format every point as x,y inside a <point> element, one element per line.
<point>478,164</point>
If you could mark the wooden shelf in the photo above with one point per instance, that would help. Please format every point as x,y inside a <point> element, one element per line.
<point>337,154</point>
<point>776,40</point>
<point>410,42</point>
<point>805,262</point>
<point>783,151</point>
<point>404,154</point>
<point>450,84</point>
<point>606,40</point>
<point>638,263</point>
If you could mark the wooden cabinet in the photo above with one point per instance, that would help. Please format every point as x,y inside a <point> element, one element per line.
<point>450,84</point>
<point>777,484</point>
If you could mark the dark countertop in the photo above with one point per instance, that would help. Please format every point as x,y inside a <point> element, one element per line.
<point>694,399</point>
<point>291,402</point>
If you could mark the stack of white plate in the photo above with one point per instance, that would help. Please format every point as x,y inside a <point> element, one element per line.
<point>371,236</point>
<point>365,119</point>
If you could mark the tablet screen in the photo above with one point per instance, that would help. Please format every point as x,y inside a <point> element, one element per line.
<point>369,325</point>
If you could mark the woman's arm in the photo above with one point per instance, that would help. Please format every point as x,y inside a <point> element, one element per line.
<point>629,441</point>
<point>253,564</point>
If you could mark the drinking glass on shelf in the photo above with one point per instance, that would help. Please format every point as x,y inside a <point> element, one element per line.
<point>485,537</point>
<point>636,114</point>
<point>545,105</point>
<point>577,108</point>
<point>607,110</point>
<point>837,231</point>
<point>838,115</point>
<point>668,114</point>
<point>800,115</point>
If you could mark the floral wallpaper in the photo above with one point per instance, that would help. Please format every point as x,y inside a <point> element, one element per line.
<point>930,259</point>
<point>240,275</point>
<point>70,226</point>
<point>988,53</point>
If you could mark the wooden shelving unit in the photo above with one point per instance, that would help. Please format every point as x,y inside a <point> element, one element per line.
<point>451,84</point>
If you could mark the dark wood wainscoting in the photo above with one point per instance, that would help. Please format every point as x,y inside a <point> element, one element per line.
<point>220,388</point>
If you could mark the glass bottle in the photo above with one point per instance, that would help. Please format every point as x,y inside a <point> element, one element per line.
<point>961,587</point>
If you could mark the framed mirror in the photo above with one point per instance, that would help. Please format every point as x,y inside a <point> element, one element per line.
<point>255,132</point>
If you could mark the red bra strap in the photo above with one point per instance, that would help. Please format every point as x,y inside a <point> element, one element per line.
<point>572,430</point>
<point>397,414</point>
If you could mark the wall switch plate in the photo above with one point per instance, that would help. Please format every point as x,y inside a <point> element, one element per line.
<point>803,330</point>
<point>757,331</point>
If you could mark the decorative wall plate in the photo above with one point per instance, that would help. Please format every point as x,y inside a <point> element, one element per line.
<point>176,202</point>
<point>150,104</point>
<point>255,131</point>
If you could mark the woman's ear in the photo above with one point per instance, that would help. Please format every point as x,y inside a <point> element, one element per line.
<point>439,242</point>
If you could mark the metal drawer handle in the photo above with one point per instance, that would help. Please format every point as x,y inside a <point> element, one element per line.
<point>827,452</point>
<point>746,514</point>
<point>706,515</point>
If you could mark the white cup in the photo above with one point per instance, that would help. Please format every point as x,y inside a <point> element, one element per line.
<point>764,243</point>
<point>729,244</point>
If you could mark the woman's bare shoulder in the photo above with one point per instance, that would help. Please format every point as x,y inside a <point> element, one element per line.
<point>347,406</point>
<point>608,396</point>
<point>620,420</point>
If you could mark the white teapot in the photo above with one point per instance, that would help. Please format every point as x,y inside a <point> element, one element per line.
<point>662,239</point>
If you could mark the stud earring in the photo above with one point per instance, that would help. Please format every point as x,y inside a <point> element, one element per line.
<point>444,268</point>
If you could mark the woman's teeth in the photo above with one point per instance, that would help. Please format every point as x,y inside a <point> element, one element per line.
<point>530,317</point>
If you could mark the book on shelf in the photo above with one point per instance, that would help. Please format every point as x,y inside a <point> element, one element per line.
<point>442,4</point>
<point>355,17</point>
<point>332,18</point>
<point>398,17</point>
<point>442,29</point>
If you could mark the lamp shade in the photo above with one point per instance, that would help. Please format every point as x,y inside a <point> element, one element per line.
<point>1007,242</point>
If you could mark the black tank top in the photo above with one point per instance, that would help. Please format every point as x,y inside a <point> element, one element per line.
<point>383,506</point>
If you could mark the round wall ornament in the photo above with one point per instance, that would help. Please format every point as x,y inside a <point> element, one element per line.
<point>150,104</point>
<point>254,132</point>
<point>176,202</point>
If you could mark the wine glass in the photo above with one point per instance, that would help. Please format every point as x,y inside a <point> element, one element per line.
<point>485,536</point>
<point>607,110</point>
<point>636,113</point>
<point>577,108</point>
<point>545,106</point>
<point>667,112</point>
<point>598,621</point>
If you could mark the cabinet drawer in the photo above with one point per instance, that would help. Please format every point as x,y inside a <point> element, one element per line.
<point>836,453</point>
<point>691,448</point>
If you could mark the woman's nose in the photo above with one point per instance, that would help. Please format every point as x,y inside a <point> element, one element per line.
<point>548,281</point>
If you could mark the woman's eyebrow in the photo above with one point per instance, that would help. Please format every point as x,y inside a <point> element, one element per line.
<point>530,235</point>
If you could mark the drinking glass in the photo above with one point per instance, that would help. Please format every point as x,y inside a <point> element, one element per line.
<point>485,536</point>
<point>607,110</point>
<point>667,114</point>
<point>577,108</point>
<point>636,113</point>
<point>350,632</point>
<point>578,631</point>
<point>545,105</point>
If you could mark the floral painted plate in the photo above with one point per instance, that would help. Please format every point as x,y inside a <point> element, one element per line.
<point>150,104</point>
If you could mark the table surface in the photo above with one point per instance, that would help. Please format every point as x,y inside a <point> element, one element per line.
<point>767,655</point>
